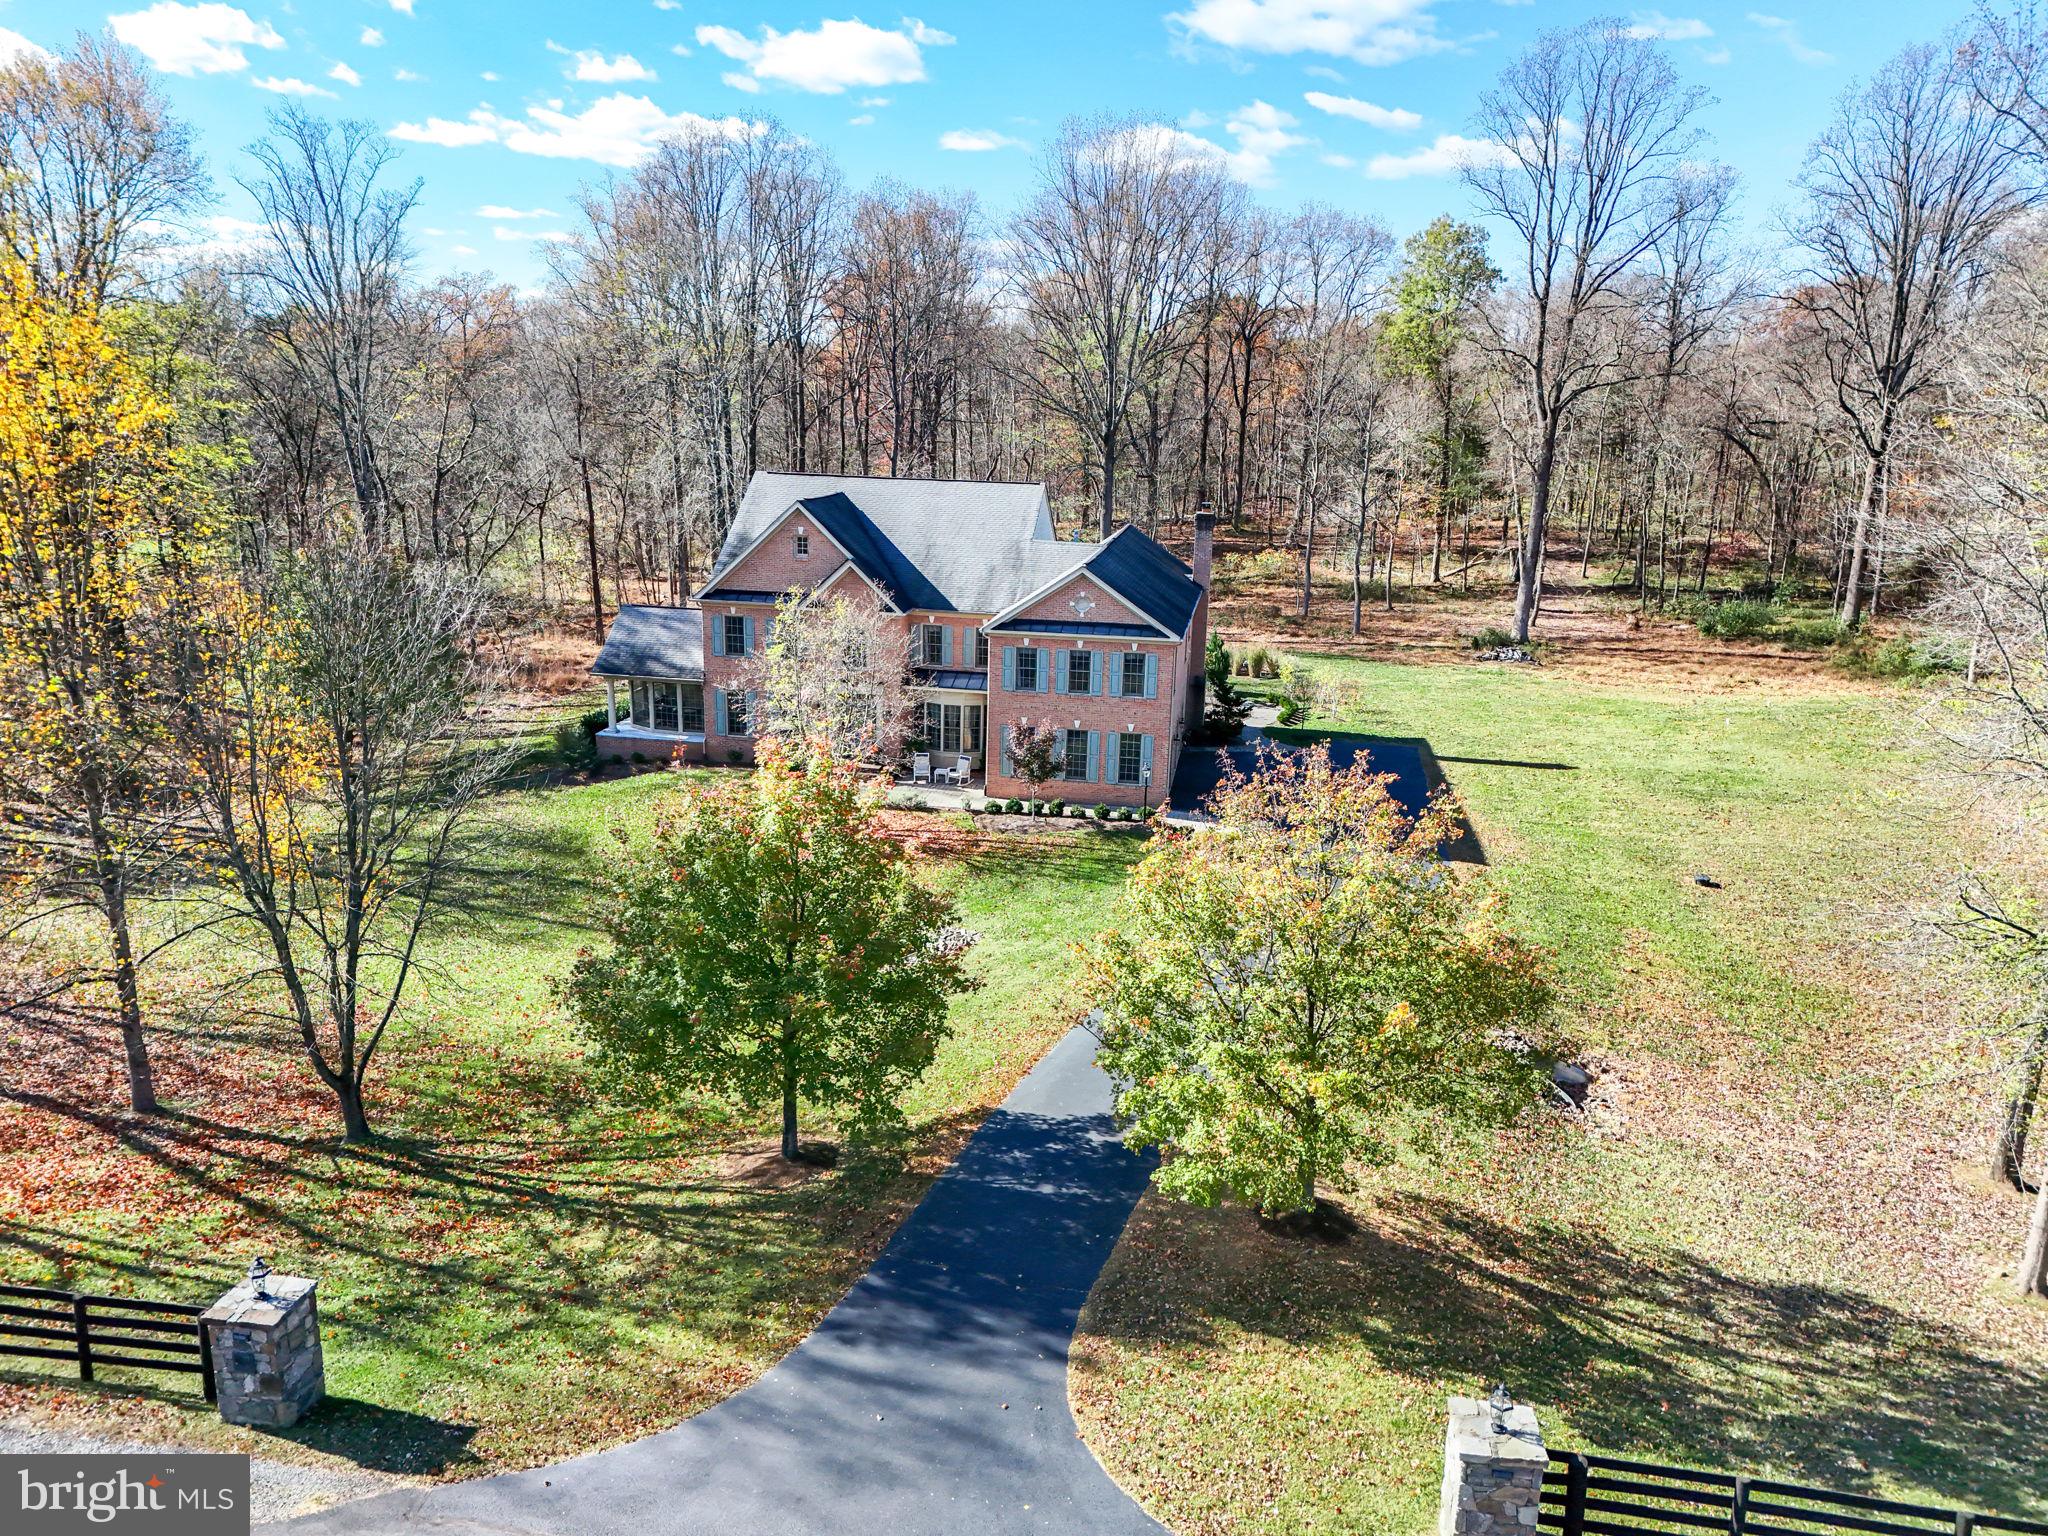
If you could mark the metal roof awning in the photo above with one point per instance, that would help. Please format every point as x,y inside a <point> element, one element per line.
<point>974,682</point>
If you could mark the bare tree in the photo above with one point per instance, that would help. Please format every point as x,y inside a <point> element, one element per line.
<point>331,721</point>
<point>332,265</point>
<point>1590,135</point>
<point>1904,194</point>
<point>836,671</point>
<point>1109,265</point>
<point>94,169</point>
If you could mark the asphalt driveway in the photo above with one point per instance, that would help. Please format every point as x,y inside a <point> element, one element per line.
<point>931,1401</point>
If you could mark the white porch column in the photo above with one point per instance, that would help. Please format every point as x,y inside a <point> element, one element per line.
<point>611,703</point>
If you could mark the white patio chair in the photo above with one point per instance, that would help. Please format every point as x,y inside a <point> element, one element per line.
<point>921,768</point>
<point>963,768</point>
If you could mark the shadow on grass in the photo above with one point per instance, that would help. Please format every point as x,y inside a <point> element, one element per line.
<point>1652,1353</point>
<point>384,1439</point>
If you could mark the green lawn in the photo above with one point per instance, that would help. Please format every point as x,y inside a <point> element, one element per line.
<point>1754,1256</point>
<point>522,1267</point>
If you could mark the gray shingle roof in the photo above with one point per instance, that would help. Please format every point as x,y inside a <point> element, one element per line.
<point>653,642</point>
<point>959,546</point>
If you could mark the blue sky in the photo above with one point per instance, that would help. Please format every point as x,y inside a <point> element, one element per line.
<point>504,108</point>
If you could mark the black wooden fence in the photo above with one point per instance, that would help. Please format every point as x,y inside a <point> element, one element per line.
<point>1602,1496</point>
<point>105,1330</point>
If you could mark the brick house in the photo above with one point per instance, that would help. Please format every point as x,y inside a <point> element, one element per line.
<point>1004,624</point>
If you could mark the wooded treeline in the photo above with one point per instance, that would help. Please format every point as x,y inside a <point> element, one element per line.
<point>1573,366</point>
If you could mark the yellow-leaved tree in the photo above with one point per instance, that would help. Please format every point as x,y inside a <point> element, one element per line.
<point>99,511</point>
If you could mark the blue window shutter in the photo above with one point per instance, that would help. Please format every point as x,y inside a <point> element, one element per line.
<point>945,645</point>
<point>718,710</point>
<point>967,635</point>
<point>1145,753</point>
<point>1095,757</point>
<point>1151,676</point>
<point>1009,669</point>
<point>749,642</point>
<point>1059,671</point>
<point>1095,671</point>
<point>1009,767</point>
<point>1116,678</point>
<point>1044,661</point>
<point>717,636</point>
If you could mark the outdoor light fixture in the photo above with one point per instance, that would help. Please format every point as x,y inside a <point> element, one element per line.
<point>259,1271</point>
<point>1501,1401</point>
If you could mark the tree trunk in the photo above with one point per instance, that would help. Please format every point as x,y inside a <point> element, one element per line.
<point>1108,484</point>
<point>141,1082</point>
<point>355,1120</point>
<point>1859,545</point>
<point>788,1110</point>
<point>2010,1154</point>
<point>2033,1276</point>
<point>1530,571</point>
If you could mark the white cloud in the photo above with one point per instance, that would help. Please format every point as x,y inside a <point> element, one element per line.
<point>1669,29</point>
<point>289,86</point>
<point>1262,131</point>
<point>194,39</point>
<point>874,101</point>
<point>403,7</point>
<point>371,38</point>
<point>1450,153</point>
<point>613,130</point>
<point>591,64</point>
<point>502,233</point>
<point>831,56</point>
<point>462,250</point>
<point>969,141</point>
<point>1394,119</point>
<point>407,77</point>
<point>490,76</point>
<point>1715,55</point>
<point>345,75</point>
<point>864,120</point>
<point>1340,162</point>
<point>13,46</point>
<point>1368,31</point>
<point>1787,32</point>
<point>217,236</point>
<point>447,134</point>
<point>668,5</point>
<point>680,50</point>
<point>740,82</point>
<point>1323,72</point>
<point>500,211</point>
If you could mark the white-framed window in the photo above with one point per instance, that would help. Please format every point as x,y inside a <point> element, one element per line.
<point>1074,754</point>
<point>1080,671</point>
<point>1027,669</point>
<point>931,645</point>
<point>952,727</point>
<point>736,713</point>
<point>1130,758</point>
<point>803,545</point>
<point>656,705</point>
<point>691,717</point>
<point>1134,674</point>
<point>980,651</point>
<point>735,634</point>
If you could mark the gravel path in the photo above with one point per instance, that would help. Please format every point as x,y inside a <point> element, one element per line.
<point>931,1401</point>
<point>278,1490</point>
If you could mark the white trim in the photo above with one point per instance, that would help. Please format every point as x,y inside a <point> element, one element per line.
<point>625,730</point>
<point>1071,574</point>
<point>768,533</point>
<point>840,570</point>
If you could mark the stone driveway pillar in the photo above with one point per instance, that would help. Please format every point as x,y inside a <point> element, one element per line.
<point>266,1350</point>
<point>1494,1461</point>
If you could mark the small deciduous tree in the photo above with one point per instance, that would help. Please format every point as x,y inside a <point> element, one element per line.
<point>770,945</point>
<point>1034,753</point>
<point>835,671</point>
<point>1305,986</point>
<point>331,718</point>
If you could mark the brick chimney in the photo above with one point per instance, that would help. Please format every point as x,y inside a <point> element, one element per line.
<point>1205,539</point>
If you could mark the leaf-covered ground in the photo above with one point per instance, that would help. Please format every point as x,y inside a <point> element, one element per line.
<point>523,1266</point>
<point>1767,1247</point>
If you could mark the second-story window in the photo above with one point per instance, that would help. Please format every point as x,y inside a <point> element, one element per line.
<point>1134,674</point>
<point>1027,670</point>
<point>803,546</point>
<point>1080,672</point>
<point>735,634</point>
<point>980,651</point>
<point>931,644</point>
